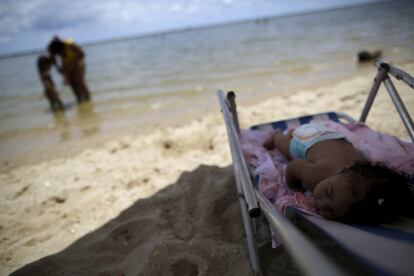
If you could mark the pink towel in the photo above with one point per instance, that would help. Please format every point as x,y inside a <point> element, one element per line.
<point>269,166</point>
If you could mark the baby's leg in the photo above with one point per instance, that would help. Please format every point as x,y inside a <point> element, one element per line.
<point>54,100</point>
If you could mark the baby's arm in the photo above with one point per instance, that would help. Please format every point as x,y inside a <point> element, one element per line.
<point>301,173</point>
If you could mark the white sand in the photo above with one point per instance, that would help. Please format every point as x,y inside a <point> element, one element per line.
<point>162,203</point>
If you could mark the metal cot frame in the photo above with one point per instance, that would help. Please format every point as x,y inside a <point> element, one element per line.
<point>253,203</point>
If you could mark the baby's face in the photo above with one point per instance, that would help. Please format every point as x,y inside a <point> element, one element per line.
<point>334,196</point>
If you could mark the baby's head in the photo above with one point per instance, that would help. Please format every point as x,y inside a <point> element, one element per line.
<point>44,63</point>
<point>363,192</point>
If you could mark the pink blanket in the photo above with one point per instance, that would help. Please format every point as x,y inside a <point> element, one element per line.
<point>269,166</point>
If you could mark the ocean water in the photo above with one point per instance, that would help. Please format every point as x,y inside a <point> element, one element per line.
<point>138,80</point>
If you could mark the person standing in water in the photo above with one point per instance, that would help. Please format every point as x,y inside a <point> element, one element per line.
<point>72,66</point>
<point>44,63</point>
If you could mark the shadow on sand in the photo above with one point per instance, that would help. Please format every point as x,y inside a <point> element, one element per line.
<point>192,227</point>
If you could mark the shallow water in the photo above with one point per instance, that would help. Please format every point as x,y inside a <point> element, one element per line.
<point>139,80</point>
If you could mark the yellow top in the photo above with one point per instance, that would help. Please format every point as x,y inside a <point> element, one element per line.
<point>68,54</point>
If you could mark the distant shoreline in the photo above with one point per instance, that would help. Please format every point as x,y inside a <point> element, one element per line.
<point>199,27</point>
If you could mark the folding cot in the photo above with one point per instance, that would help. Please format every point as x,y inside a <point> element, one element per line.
<point>345,249</point>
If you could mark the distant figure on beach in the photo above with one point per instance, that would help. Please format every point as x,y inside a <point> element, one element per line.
<point>72,66</point>
<point>365,55</point>
<point>44,63</point>
<point>345,185</point>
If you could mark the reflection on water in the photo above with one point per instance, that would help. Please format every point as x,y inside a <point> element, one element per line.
<point>74,124</point>
<point>85,123</point>
<point>61,124</point>
<point>88,119</point>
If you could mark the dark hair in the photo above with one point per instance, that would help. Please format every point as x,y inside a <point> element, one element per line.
<point>56,46</point>
<point>390,194</point>
<point>44,63</point>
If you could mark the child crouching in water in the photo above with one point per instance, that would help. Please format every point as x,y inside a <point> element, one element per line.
<point>44,64</point>
<point>345,185</point>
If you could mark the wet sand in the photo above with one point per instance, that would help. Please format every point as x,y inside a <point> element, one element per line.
<point>159,201</point>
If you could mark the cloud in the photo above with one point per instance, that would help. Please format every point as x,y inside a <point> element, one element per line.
<point>54,14</point>
<point>44,14</point>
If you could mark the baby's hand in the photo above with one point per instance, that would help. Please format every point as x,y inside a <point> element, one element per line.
<point>269,143</point>
<point>290,132</point>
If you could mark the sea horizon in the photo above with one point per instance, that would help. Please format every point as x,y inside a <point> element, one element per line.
<point>192,28</point>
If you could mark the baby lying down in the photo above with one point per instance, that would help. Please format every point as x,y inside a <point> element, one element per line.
<point>345,185</point>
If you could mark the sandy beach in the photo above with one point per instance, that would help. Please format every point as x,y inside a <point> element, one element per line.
<point>160,201</point>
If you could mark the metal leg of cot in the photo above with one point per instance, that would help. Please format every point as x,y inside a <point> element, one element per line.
<point>397,73</point>
<point>399,105</point>
<point>249,230</point>
<point>382,73</point>
<point>248,222</point>
<point>233,109</point>
<point>237,155</point>
<point>231,100</point>
<point>382,76</point>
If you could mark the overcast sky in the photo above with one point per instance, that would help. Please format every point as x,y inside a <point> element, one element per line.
<point>29,24</point>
